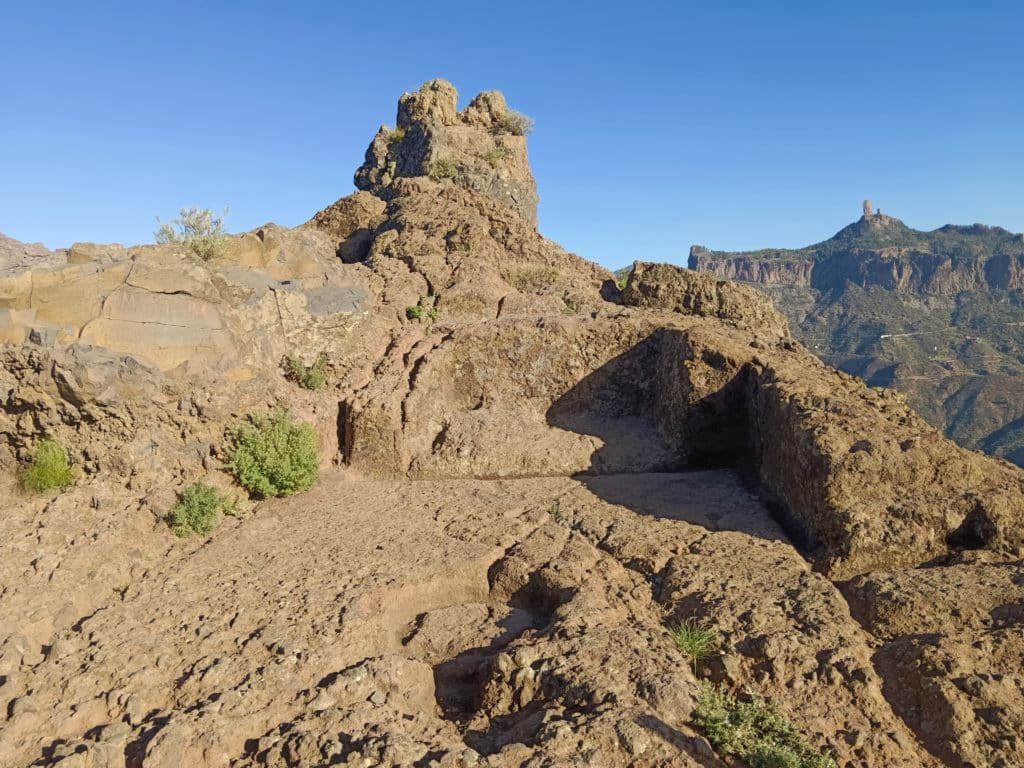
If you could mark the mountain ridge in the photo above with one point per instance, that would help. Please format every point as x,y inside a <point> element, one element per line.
<point>935,313</point>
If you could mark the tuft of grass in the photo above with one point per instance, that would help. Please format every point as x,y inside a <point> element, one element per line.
<point>754,731</point>
<point>421,310</point>
<point>495,156</point>
<point>395,136</point>
<point>48,469</point>
<point>198,229</point>
<point>515,123</point>
<point>306,376</point>
<point>275,456</point>
<point>198,510</point>
<point>696,641</point>
<point>443,168</point>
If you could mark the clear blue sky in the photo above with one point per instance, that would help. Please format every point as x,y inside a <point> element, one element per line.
<point>659,124</point>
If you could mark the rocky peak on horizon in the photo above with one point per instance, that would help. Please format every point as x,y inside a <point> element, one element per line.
<point>936,314</point>
<point>882,250</point>
<point>482,148</point>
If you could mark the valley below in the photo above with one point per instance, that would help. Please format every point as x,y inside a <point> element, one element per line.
<point>938,315</point>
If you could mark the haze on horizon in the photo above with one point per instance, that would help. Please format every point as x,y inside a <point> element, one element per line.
<point>659,125</point>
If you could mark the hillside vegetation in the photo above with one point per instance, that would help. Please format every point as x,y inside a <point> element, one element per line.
<point>938,315</point>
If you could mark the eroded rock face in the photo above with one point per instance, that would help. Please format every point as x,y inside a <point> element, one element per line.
<point>171,310</point>
<point>16,257</point>
<point>664,286</point>
<point>952,662</point>
<point>477,149</point>
<point>538,475</point>
<point>351,222</point>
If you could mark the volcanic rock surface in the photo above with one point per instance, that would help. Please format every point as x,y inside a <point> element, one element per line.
<point>525,487</point>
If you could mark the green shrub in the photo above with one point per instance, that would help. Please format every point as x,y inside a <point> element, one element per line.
<point>515,123</point>
<point>275,456</point>
<point>694,640</point>
<point>443,168</point>
<point>754,731</point>
<point>48,468</point>
<point>198,229</point>
<point>495,156</point>
<point>306,376</point>
<point>421,310</point>
<point>395,137</point>
<point>198,510</point>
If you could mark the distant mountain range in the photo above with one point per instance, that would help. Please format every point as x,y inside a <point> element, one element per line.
<point>938,315</point>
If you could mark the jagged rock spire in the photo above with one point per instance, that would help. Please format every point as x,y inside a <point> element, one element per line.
<point>482,148</point>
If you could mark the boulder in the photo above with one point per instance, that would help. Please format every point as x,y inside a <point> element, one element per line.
<point>351,222</point>
<point>664,286</point>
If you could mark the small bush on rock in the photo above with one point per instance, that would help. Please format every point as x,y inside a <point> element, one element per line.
<point>515,123</point>
<point>395,137</point>
<point>443,168</point>
<point>198,229</point>
<point>275,456</point>
<point>495,156</point>
<point>198,510</point>
<point>421,310</point>
<point>754,731</point>
<point>48,468</point>
<point>306,376</point>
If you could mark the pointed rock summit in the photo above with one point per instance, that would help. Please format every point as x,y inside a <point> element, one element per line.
<point>482,148</point>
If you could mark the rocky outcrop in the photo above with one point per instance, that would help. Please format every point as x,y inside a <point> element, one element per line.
<point>480,149</point>
<point>537,475</point>
<point>166,307</point>
<point>663,286</point>
<point>17,257</point>
<point>857,475</point>
<point>351,222</point>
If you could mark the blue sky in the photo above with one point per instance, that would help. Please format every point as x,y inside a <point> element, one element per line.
<point>659,124</point>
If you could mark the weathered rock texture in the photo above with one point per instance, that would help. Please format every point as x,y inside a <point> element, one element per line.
<point>663,286</point>
<point>16,257</point>
<point>534,482</point>
<point>169,309</point>
<point>480,149</point>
